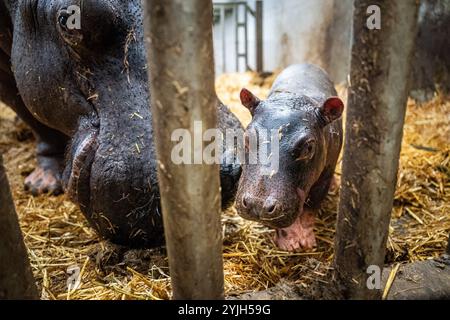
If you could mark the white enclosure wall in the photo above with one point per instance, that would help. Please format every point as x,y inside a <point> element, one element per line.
<point>294,31</point>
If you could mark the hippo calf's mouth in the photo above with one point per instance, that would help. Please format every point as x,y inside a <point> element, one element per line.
<point>281,215</point>
<point>79,170</point>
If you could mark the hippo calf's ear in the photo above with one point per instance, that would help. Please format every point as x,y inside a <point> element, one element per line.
<point>249,100</point>
<point>331,109</point>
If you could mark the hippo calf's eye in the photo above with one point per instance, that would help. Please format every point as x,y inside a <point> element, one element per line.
<point>305,150</point>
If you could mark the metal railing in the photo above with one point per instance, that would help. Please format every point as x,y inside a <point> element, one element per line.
<point>241,22</point>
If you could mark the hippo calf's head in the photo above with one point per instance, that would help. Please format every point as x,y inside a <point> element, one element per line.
<point>277,199</point>
<point>90,82</point>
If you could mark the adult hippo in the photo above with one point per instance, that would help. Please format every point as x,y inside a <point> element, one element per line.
<point>84,93</point>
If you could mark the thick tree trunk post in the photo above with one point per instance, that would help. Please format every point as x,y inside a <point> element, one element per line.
<point>16,279</point>
<point>380,69</point>
<point>181,70</point>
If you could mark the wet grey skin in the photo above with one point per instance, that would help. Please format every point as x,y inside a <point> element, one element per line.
<point>302,106</point>
<point>85,95</point>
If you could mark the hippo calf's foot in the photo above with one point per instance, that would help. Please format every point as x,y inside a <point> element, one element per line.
<point>46,178</point>
<point>300,235</point>
<point>334,184</point>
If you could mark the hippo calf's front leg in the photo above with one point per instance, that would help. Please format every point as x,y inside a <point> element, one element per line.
<point>300,235</point>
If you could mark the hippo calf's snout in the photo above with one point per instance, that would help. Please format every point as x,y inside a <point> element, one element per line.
<point>268,209</point>
<point>275,209</point>
<point>260,209</point>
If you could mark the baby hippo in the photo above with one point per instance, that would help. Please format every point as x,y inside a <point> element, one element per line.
<point>304,109</point>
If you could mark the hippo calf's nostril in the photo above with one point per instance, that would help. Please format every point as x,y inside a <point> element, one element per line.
<point>271,209</point>
<point>270,206</point>
<point>244,202</point>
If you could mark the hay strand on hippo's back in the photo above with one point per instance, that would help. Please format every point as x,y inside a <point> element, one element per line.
<point>58,236</point>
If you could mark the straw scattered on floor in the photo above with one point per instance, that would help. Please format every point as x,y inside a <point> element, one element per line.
<point>58,237</point>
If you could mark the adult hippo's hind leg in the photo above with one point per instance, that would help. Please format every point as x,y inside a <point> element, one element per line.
<point>46,177</point>
<point>51,144</point>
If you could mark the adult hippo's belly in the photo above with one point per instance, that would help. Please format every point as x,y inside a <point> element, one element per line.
<point>84,92</point>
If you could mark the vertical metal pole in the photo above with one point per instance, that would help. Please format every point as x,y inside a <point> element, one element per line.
<point>16,278</point>
<point>380,70</point>
<point>236,21</point>
<point>181,72</point>
<point>259,36</point>
<point>224,51</point>
<point>246,36</point>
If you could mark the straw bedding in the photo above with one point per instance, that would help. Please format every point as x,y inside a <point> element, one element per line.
<point>57,235</point>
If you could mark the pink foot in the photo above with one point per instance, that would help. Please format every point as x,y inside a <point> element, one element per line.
<point>300,235</point>
<point>42,181</point>
<point>335,184</point>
